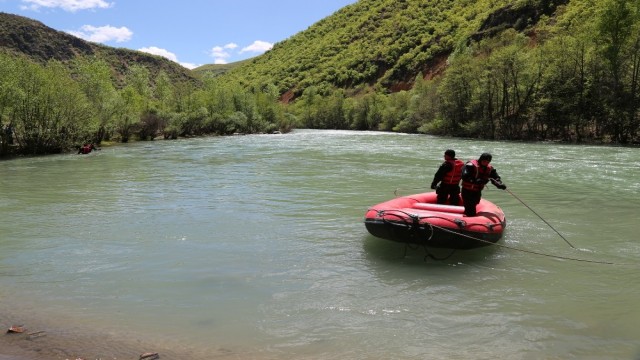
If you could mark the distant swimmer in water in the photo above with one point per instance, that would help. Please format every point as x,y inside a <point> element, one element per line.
<point>87,148</point>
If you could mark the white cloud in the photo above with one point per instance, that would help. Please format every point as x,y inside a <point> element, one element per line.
<point>258,46</point>
<point>189,65</point>
<point>221,54</point>
<point>160,52</point>
<point>167,54</point>
<point>67,5</point>
<point>103,34</point>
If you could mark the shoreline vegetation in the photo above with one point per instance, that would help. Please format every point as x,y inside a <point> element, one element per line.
<point>9,155</point>
<point>111,144</point>
<point>526,71</point>
<point>513,86</point>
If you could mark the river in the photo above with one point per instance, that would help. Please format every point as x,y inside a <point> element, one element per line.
<point>254,247</point>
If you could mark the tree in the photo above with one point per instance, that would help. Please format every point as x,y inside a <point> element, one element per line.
<point>8,95</point>
<point>94,78</point>
<point>615,27</point>
<point>50,110</point>
<point>456,92</point>
<point>128,110</point>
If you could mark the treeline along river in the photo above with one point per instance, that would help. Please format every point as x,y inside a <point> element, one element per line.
<point>254,247</point>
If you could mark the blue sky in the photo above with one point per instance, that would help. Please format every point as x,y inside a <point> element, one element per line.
<point>190,32</point>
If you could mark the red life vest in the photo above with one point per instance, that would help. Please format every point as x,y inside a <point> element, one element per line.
<point>480,173</point>
<point>455,174</point>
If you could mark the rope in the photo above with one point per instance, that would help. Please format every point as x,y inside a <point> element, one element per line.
<point>530,251</point>
<point>412,216</point>
<point>416,221</point>
<point>435,258</point>
<point>425,244</point>
<point>541,218</point>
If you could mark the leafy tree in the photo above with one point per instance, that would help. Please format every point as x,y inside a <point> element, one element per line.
<point>163,92</point>
<point>9,73</point>
<point>50,109</point>
<point>456,92</point>
<point>128,110</point>
<point>94,78</point>
<point>618,30</point>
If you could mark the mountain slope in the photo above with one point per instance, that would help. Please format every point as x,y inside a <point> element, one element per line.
<point>385,43</point>
<point>21,35</point>
<point>213,70</point>
<point>372,43</point>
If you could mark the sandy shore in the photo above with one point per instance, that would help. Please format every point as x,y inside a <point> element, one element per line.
<point>42,341</point>
<point>11,357</point>
<point>50,343</point>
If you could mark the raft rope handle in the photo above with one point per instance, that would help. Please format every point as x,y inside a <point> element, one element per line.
<point>416,220</point>
<point>424,244</point>
<point>456,221</point>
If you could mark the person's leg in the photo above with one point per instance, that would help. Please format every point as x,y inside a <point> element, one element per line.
<point>469,200</point>
<point>454,195</point>
<point>442,195</point>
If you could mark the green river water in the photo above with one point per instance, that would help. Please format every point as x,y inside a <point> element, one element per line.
<point>254,247</point>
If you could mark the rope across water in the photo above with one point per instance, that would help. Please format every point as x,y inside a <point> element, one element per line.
<point>432,226</point>
<point>531,251</point>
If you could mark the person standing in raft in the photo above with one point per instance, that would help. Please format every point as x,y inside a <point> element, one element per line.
<point>448,175</point>
<point>475,175</point>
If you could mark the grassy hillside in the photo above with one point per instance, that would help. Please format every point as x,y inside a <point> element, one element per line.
<point>31,38</point>
<point>499,69</point>
<point>214,70</point>
<point>372,43</point>
<point>385,43</point>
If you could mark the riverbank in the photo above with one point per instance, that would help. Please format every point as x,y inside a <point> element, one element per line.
<point>11,357</point>
<point>48,338</point>
<point>42,340</point>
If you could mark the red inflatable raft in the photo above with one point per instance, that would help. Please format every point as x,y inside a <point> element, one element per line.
<point>417,219</point>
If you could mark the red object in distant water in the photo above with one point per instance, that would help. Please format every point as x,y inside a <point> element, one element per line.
<point>418,219</point>
<point>87,148</point>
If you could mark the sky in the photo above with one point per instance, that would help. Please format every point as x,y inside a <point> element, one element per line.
<point>189,32</point>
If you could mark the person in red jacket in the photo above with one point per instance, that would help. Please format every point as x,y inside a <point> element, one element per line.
<point>475,175</point>
<point>87,148</point>
<point>448,175</point>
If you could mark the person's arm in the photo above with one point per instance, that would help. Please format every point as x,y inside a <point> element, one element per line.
<point>495,180</point>
<point>443,169</point>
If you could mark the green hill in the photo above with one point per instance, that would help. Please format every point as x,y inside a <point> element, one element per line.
<point>38,42</point>
<point>214,70</point>
<point>498,69</point>
<point>386,43</point>
<point>382,44</point>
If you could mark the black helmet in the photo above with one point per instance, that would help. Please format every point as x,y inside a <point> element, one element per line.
<point>485,156</point>
<point>450,152</point>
